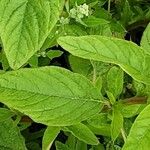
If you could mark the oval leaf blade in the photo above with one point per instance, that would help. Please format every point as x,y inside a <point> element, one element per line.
<point>83,133</point>
<point>24,26</point>
<point>50,95</point>
<point>130,57</point>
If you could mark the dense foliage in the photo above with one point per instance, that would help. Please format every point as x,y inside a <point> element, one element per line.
<point>75,74</point>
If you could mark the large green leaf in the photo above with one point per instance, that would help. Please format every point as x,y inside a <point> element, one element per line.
<point>24,26</point>
<point>139,135</point>
<point>83,133</point>
<point>50,95</point>
<point>145,42</point>
<point>10,137</point>
<point>130,57</point>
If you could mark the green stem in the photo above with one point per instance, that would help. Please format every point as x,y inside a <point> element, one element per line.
<point>94,75</point>
<point>109,3</point>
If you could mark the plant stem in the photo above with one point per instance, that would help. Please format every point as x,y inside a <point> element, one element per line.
<point>109,3</point>
<point>135,100</point>
<point>94,75</point>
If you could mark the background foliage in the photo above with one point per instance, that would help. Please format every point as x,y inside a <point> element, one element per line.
<point>75,74</point>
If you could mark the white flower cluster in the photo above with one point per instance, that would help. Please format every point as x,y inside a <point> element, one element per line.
<point>43,54</point>
<point>64,21</point>
<point>79,12</point>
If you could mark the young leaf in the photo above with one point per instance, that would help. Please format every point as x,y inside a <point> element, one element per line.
<point>61,146</point>
<point>139,135</point>
<point>24,26</point>
<point>83,133</point>
<point>50,95</point>
<point>75,144</point>
<point>130,57</point>
<point>99,124</point>
<point>117,123</point>
<point>54,53</point>
<point>10,136</point>
<point>49,136</point>
<point>33,61</point>
<point>115,81</point>
<point>145,42</point>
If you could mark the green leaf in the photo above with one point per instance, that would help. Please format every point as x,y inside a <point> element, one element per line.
<point>92,21</point>
<point>130,57</point>
<point>79,65</point>
<point>145,41</point>
<point>61,146</point>
<point>49,136</point>
<point>126,13</point>
<point>74,144</point>
<point>5,114</point>
<point>54,53</point>
<point>117,123</point>
<point>111,97</point>
<point>10,137</point>
<point>74,30</point>
<point>115,81</point>
<point>33,61</point>
<point>129,111</point>
<point>139,135</point>
<point>24,26</point>
<point>50,95</point>
<point>98,147</point>
<point>83,133</point>
<point>99,124</point>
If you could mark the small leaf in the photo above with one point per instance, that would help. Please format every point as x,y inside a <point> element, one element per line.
<point>54,53</point>
<point>75,144</point>
<point>61,146</point>
<point>33,61</point>
<point>139,136</point>
<point>111,97</point>
<point>61,100</point>
<point>130,57</point>
<point>145,41</point>
<point>49,136</point>
<point>10,136</point>
<point>115,81</point>
<point>117,123</point>
<point>83,133</point>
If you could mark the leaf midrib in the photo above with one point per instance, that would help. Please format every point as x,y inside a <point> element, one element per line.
<point>75,98</point>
